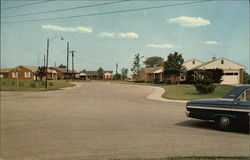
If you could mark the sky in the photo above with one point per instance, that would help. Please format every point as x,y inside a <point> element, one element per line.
<point>104,33</point>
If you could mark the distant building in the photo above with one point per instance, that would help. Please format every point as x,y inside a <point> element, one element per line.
<point>63,74</point>
<point>153,73</point>
<point>93,75</point>
<point>4,72</point>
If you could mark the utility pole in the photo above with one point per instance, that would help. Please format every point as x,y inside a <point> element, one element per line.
<point>47,59</point>
<point>73,75</point>
<point>67,59</point>
<point>55,64</point>
<point>44,59</point>
<point>116,65</point>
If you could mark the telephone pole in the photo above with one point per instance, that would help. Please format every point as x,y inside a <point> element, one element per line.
<point>46,72</point>
<point>67,59</point>
<point>73,75</point>
<point>116,66</point>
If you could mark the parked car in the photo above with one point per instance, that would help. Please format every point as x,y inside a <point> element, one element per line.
<point>233,108</point>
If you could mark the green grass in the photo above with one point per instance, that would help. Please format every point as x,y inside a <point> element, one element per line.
<point>185,91</point>
<point>188,92</point>
<point>32,85</point>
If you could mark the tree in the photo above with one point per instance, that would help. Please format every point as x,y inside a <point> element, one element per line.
<point>137,63</point>
<point>62,66</point>
<point>100,73</point>
<point>154,61</point>
<point>173,66</point>
<point>246,77</point>
<point>203,81</point>
<point>124,73</point>
<point>41,72</point>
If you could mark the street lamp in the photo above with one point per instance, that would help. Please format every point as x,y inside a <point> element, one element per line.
<point>46,78</point>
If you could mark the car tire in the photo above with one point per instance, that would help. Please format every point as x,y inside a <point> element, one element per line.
<point>224,123</point>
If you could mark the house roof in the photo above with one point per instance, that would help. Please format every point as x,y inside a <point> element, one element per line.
<point>63,70</point>
<point>193,60</point>
<point>149,70</point>
<point>31,68</point>
<point>5,70</point>
<point>209,62</point>
<point>95,72</point>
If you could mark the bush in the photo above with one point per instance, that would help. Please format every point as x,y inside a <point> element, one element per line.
<point>4,83</point>
<point>204,82</point>
<point>13,83</point>
<point>156,80</point>
<point>21,83</point>
<point>51,84</point>
<point>33,84</point>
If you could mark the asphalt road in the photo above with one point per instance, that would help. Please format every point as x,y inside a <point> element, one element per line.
<point>106,121</point>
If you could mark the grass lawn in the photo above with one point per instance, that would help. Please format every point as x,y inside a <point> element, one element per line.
<point>32,85</point>
<point>184,91</point>
<point>188,92</point>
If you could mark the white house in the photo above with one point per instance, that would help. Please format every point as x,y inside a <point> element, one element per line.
<point>233,72</point>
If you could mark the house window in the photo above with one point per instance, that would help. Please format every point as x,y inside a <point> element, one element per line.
<point>14,74</point>
<point>222,61</point>
<point>193,62</point>
<point>27,74</point>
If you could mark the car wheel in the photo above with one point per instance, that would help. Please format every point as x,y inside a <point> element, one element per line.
<point>224,123</point>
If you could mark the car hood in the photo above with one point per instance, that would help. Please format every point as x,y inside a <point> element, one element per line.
<point>215,101</point>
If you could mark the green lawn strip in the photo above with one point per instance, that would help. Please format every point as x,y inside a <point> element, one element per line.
<point>188,92</point>
<point>32,85</point>
<point>197,158</point>
<point>184,91</point>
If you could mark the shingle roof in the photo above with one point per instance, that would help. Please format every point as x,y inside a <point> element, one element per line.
<point>95,72</point>
<point>63,70</point>
<point>32,68</point>
<point>5,70</point>
<point>153,69</point>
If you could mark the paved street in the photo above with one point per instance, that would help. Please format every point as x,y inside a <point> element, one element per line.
<point>99,120</point>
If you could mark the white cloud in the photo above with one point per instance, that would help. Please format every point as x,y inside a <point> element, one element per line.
<point>80,29</point>
<point>160,45</point>
<point>189,21</point>
<point>107,34</point>
<point>128,35</point>
<point>212,42</point>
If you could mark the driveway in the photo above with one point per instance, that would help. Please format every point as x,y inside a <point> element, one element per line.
<point>99,120</point>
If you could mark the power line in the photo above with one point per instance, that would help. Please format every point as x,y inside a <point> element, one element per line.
<point>105,13</point>
<point>24,5</point>
<point>66,9</point>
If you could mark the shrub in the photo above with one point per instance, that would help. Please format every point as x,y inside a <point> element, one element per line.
<point>13,83</point>
<point>33,84</point>
<point>204,82</point>
<point>51,84</point>
<point>4,83</point>
<point>21,83</point>
<point>156,80</point>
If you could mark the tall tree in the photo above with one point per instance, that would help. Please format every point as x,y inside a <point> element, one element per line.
<point>137,63</point>
<point>154,61</point>
<point>173,66</point>
<point>100,73</point>
<point>124,73</point>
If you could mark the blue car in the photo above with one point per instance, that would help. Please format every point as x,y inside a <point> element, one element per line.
<point>233,108</point>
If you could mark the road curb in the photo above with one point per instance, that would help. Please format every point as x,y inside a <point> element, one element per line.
<point>157,96</point>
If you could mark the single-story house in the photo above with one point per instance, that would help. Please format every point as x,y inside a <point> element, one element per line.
<point>153,73</point>
<point>29,73</point>
<point>62,73</point>
<point>4,72</point>
<point>93,75</point>
<point>23,73</point>
<point>233,72</point>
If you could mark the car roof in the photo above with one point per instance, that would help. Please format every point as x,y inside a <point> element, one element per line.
<point>235,92</point>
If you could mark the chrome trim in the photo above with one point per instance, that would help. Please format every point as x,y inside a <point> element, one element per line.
<point>187,113</point>
<point>221,109</point>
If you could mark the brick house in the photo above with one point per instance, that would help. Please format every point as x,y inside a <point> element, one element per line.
<point>4,72</point>
<point>63,74</point>
<point>23,73</point>
<point>153,73</point>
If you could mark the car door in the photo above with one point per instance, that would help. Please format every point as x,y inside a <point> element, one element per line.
<point>241,106</point>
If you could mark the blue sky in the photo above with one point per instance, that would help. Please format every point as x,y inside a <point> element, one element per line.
<point>197,30</point>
